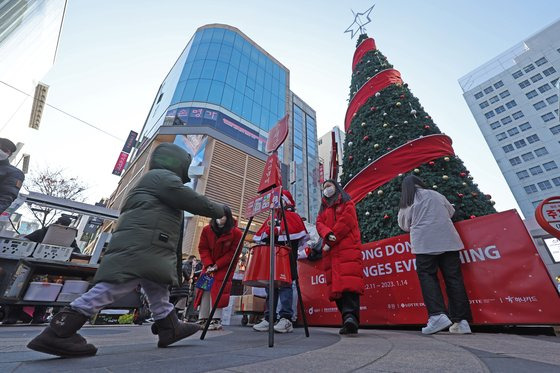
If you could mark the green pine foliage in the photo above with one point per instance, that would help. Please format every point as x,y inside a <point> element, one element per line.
<point>386,121</point>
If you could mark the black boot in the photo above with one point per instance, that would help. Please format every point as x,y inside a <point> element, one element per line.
<point>171,330</point>
<point>350,326</point>
<point>60,337</point>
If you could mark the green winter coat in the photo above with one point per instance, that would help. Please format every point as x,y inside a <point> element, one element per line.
<point>147,238</point>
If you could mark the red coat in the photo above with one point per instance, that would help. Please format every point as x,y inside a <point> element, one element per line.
<point>219,251</point>
<point>343,262</point>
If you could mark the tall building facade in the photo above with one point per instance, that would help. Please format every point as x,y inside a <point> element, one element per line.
<point>514,100</point>
<point>325,150</point>
<point>219,101</point>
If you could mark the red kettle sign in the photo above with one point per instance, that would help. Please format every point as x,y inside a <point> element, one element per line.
<point>277,135</point>
<point>548,215</point>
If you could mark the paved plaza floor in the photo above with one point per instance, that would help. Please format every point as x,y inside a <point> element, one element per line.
<point>239,349</point>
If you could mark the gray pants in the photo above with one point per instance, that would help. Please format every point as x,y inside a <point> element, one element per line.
<point>105,293</point>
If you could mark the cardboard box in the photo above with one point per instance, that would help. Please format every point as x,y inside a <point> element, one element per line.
<point>251,303</point>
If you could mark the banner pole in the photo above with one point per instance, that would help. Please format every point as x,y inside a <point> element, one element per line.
<point>271,308</point>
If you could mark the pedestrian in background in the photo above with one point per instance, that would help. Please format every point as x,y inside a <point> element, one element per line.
<point>337,224</point>
<point>11,177</point>
<point>145,249</point>
<point>426,214</point>
<point>217,246</point>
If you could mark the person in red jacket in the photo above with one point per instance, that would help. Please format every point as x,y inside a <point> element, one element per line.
<point>337,224</point>
<point>218,242</point>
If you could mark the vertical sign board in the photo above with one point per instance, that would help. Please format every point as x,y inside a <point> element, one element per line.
<point>277,135</point>
<point>123,157</point>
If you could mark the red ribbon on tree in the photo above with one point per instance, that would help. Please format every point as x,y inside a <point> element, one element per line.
<point>364,47</point>
<point>380,81</point>
<point>403,159</point>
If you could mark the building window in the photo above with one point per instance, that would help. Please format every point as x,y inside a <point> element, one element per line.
<point>478,95</point>
<point>547,117</point>
<point>531,94</point>
<point>536,78</point>
<point>550,165</point>
<point>541,152</point>
<point>554,82</point>
<point>545,185</point>
<point>489,115</point>
<point>501,136</point>
<point>527,156</point>
<point>508,148</point>
<point>506,120</point>
<point>504,94</point>
<point>528,68</point>
<point>500,109</point>
<point>513,131</point>
<point>520,144</point>
<point>525,126</point>
<point>552,99</point>
<point>533,139</point>
<point>541,61</point>
<point>495,125</point>
<point>539,105</point>
<point>536,170</point>
<point>483,104</point>
<point>517,74</point>
<point>522,174</point>
<point>530,189</point>
<point>498,84</point>
<point>555,130</point>
<point>488,90</point>
<point>524,84</point>
<point>556,181</point>
<point>544,88</point>
<point>536,203</point>
<point>511,104</point>
<point>517,115</point>
<point>493,99</point>
<point>515,161</point>
<point>549,71</point>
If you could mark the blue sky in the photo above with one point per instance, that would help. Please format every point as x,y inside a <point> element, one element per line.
<point>114,54</point>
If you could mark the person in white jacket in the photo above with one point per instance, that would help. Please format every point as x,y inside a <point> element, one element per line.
<point>426,214</point>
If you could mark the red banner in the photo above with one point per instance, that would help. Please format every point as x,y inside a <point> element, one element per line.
<point>380,81</point>
<point>263,202</point>
<point>398,161</point>
<point>121,162</point>
<point>505,278</point>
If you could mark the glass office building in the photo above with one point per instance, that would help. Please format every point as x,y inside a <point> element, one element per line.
<point>225,81</point>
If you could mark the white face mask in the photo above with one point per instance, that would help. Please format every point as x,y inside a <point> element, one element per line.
<point>221,222</point>
<point>3,155</point>
<point>329,192</point>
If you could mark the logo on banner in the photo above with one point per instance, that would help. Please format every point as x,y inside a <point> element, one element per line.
<point>548,215</point>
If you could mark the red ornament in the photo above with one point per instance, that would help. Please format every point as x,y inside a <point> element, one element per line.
<point>373,108</point>
<point>366,138</point>
<point>389,148</point>
<point>473,216</point>
<point>460,195</point>
<point>431,163</point>
<point>474,194</point>
<point>426,127</point>
<point>349,132</point>
<point>402,96</point>
<point>488,196</point>
<point>386,217</point>
<point>462,174</point>
<point>427,117</point>
<point>351,157</point>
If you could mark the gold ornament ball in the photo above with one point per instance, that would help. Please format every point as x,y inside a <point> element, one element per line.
<point>445,177</point>
<point>446,159</point>
<point>370,193</point>
<point>363,124</point>
<point>376,146</point>
<point>380,192</point>
<point>417,170</point>
<point>464,184</point>
<point>434,187</point>
<point>398,104</point>
<point>367,213</point>
<point>385,125</point>
<point>390,137</point>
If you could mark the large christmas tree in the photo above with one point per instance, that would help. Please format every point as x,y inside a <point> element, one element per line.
<point>380,123</point>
